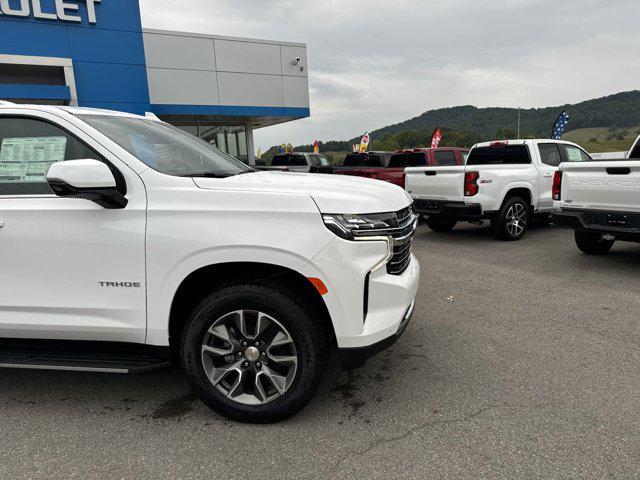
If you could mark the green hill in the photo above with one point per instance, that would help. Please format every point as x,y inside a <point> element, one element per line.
<point>600,125</point>
<point>604,139</point>
<point>619,110</point>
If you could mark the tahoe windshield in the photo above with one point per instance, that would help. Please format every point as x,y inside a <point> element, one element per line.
<point>166,149</point>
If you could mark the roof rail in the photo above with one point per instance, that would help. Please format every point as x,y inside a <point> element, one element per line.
<point>4,102</point>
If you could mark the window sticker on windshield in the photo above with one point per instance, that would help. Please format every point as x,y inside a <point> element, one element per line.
<point>574,154</point>
<point>28,159</point>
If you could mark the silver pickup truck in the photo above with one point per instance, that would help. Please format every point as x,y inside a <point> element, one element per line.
<point>299,162</point>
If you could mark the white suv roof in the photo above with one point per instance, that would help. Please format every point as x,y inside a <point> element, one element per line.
<point>71,110</point>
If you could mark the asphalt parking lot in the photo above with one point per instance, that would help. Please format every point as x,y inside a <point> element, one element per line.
<point>521,361</point>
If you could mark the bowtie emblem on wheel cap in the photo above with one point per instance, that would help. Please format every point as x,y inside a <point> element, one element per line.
<point>252,354</point>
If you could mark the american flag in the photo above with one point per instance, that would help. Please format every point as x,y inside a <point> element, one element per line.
<point>560,126</point>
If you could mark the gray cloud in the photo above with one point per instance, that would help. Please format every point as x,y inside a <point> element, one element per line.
<point>377,62</point>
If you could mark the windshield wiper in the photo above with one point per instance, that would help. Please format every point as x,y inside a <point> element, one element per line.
<point>207,175</point>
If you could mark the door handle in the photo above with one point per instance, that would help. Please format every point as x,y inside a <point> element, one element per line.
<point>548,175</point>
<point>1,223</point>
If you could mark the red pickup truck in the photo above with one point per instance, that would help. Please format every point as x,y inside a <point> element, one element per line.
<point>392,170</point>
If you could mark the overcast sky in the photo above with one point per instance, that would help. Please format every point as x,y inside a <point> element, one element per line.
<point>373,63</point>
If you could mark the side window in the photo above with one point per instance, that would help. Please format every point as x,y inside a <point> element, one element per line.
<point>575,154</point>
<point>445,158</point>
<point>549,154</point>
<point>465,155</point>
<point>323,161</point>
<point>28,147</point>
<point>298,161</point>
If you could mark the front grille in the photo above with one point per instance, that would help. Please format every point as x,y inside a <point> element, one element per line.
<point>402,241</point>
<point>402,229</point>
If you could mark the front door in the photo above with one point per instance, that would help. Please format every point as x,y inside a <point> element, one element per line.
<point>69,269</point>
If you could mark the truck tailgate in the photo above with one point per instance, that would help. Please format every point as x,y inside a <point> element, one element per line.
<point>601,185</point>
<point>435,183</point>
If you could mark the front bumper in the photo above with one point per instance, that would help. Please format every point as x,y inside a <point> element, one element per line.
<point>367,305</point>
<point>447,209</point>
<point>623,225</point>
<point>352,358</point>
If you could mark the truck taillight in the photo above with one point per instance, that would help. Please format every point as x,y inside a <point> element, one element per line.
<point>556,190</point>
<point>471,183</point>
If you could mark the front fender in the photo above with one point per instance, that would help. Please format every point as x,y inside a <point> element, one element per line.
<point>162,291</point>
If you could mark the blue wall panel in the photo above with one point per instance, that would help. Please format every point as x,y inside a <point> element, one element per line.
<point>107,82</point>
<point>18,37</point>
<point>109,46</point>
<point>108,57</point>
<point>34,92</point>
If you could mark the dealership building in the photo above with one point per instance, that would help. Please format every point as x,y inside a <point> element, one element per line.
<point>95,53</point>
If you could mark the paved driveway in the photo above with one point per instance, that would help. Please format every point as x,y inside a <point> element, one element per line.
<point>522,360</point>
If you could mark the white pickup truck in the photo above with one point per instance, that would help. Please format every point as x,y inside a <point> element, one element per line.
<point>125,243</point>
<point>507,182</point>
<point>600,201</point>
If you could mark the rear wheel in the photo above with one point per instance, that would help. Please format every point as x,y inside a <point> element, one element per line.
<point>593,243</point>
<point>254,352</point>
<point>512,220</point>
<point>439,224</point>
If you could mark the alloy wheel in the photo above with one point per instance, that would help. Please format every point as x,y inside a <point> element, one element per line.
<point>516,219</point>
<point>249,357</point>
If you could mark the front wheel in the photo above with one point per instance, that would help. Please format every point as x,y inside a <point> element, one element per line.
<point>593,243</point>
<point>439,224</point>
<point>512,220</point>
<point>254,352</point>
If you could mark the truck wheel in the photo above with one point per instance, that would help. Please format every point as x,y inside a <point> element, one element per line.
<point>439,224</point>
<point>512,221</point>
<point>593,243</point>
<point>254,351</point>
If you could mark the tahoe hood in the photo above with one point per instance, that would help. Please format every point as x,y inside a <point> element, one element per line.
<point>332,193</point>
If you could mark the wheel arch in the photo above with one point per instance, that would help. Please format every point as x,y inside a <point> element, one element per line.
<point>518,190</point>
<point>203,280</point>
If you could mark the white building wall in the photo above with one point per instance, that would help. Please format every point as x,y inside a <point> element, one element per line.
<point>198,69</point>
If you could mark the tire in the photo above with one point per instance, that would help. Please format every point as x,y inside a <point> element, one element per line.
<point>592,243</point>
<point>439,224</point>
<point>290,330</point>
<point>513,220</point>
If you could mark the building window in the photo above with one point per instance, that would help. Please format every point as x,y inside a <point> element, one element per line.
<point>231,139</point>
<point>31,74</point>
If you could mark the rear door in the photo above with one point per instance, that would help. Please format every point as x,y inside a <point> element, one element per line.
<point>550,158</point>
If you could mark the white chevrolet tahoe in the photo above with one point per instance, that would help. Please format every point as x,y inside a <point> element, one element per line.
<point>126,243</point>
<point>600,201</point>
<point>507,182</point>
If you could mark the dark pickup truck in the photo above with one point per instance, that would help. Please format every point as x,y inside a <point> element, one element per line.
<point>301,162</point>
<point>390,167</point>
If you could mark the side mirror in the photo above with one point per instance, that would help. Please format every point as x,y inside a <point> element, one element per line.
<point>88,179</point>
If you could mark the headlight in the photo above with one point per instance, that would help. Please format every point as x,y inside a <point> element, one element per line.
<point>350,226</point>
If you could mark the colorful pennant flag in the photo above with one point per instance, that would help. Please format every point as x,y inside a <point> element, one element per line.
<point>364,143</point>
<point>435,138</point>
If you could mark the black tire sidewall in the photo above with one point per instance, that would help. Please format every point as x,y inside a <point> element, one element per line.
<point>440,224</point>
<point>292,313</point>
<point>592,243</point>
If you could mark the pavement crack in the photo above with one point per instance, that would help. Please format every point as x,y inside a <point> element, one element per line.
<point>411,431</point>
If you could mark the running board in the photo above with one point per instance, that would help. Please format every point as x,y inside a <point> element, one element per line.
<point>100,357</point>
